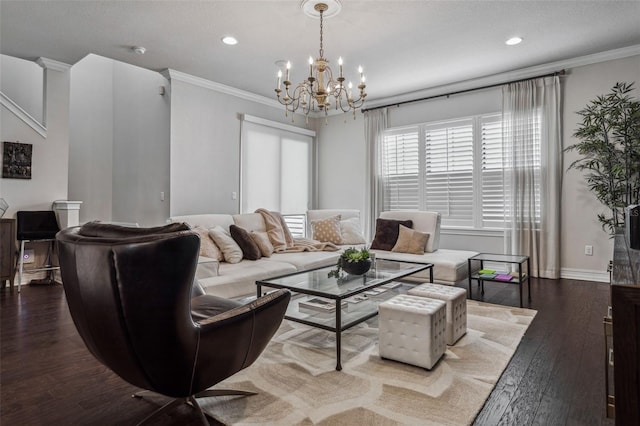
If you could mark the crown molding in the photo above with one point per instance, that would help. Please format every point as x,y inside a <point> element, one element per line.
<point>522,73</point>
<point>172,74</point>
<point>50,64</point>
<point>10,105</point>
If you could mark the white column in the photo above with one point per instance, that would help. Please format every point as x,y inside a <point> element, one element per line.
<point>67,213</point>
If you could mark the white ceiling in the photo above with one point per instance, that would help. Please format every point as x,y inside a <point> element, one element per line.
<point>404,46</point>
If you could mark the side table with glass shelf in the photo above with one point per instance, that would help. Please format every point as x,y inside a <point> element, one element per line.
<point>481,275</point>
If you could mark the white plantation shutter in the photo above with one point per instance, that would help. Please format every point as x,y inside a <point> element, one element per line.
<point>492,192</point>
<point>456,168</point>
<point>401,170</point>
<point>449,171</point>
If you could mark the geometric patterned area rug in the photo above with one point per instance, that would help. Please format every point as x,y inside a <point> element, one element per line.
<point>297,383</point>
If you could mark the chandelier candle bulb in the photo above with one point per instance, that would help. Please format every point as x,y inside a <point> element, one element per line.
<point>322,89</point>
<point>279,78</point>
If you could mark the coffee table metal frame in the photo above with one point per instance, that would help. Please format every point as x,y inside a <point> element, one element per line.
<point>315,282</point>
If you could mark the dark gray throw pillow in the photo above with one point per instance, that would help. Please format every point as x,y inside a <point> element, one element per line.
<point>242,237</point>
<point>387,231</point>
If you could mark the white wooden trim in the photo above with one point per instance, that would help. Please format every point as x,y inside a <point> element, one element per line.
<point>22,115</point>
<point>172,74</point>
<point>50,64</point>
<point>511,75</point>
<point>584,275</point>
<point>278,125</point>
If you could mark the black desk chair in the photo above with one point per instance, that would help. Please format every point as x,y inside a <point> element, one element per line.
<point>36,226</point>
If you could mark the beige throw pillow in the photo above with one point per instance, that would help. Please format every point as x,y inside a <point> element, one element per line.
<point>208,247</point>
<point>410,241</point>
<point>230,249</point>
<point>327,230</point>
<point>350,230</point>
<point>261,238</point>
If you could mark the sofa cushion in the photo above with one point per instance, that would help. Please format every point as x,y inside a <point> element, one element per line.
<point>307,259</point>
<point>250,221</point>
<point>387,231</point>
<point>422,221</point>
<point>313,215</point>
<point>351,232</point>
<point>207,221</point>
<point>410,241</point>
<point>261,239</point>
<point>242,237</point>
<point>230,249</point>
<point>208,247</point>
<point>239,279</point>
<point>450,266</point>
<point>327,230</point>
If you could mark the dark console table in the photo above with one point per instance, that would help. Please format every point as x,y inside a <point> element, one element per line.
<point>625,306</point>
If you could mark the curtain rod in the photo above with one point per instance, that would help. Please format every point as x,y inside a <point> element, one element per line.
<point>489,86</point>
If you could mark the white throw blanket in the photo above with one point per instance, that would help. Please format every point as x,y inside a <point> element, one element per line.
<point>281,238</point>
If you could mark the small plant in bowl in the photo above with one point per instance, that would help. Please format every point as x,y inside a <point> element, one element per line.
<point>352,261</point>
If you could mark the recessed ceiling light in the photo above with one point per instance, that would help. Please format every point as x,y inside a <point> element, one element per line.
<point>138,50</point>
<point>513,41</point>
<point>229,40</point>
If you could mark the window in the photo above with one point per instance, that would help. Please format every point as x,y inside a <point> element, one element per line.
<point>454,167</point>
<point>276,170</point>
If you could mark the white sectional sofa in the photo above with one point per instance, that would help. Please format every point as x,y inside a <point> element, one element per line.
<point>449,266</point>
<point>235,280</point>
<point>238,280</point>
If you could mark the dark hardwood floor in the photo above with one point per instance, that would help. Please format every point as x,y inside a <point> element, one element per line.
<point>556,376</point>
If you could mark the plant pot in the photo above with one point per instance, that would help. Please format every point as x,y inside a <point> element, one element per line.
<point>356,268</point>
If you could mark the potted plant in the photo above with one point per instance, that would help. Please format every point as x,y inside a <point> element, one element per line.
<point>609,143</point>
<point>352,261</point>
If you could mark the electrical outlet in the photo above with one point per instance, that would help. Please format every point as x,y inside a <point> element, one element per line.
<point>588,250</point>
<point>29,256</point>
<point>234,195</point>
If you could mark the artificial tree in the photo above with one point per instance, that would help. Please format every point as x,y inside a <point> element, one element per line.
<point>609,143</point>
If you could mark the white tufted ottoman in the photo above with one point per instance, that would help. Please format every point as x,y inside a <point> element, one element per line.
<point>456,300</point>
<point>411,330</point>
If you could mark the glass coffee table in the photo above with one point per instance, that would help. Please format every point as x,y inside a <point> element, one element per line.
<point>316,295</point>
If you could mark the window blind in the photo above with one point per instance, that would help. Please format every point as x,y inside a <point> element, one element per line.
<point>449,171</point>
<point>401,170</point>
<point>276,171</point>
<point>492,188</point>
<point>455,167</point>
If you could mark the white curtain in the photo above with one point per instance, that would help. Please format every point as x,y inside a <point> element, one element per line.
<point>532,147</point>
<point>375,122</point>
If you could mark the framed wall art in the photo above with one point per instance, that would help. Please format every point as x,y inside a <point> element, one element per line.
<point>16,160</point>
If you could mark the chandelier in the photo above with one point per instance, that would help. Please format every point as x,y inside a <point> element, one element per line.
<point>320,91</point>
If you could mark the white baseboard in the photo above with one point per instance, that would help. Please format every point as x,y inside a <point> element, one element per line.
<point>584,275</point>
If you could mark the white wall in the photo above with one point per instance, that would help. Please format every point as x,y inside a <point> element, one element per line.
<point>205,147</point>
<point>342,159</point>
<point>91,137</point>
<point>50,156</point>
<point>119,159</point>
<point>22,81</point>
<point>140,146</point>
<point>579,208</point>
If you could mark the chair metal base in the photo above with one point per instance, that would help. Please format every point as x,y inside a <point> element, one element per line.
<point>191,400</point>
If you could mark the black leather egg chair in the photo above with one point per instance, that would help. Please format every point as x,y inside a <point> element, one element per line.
<point>132,298</point>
